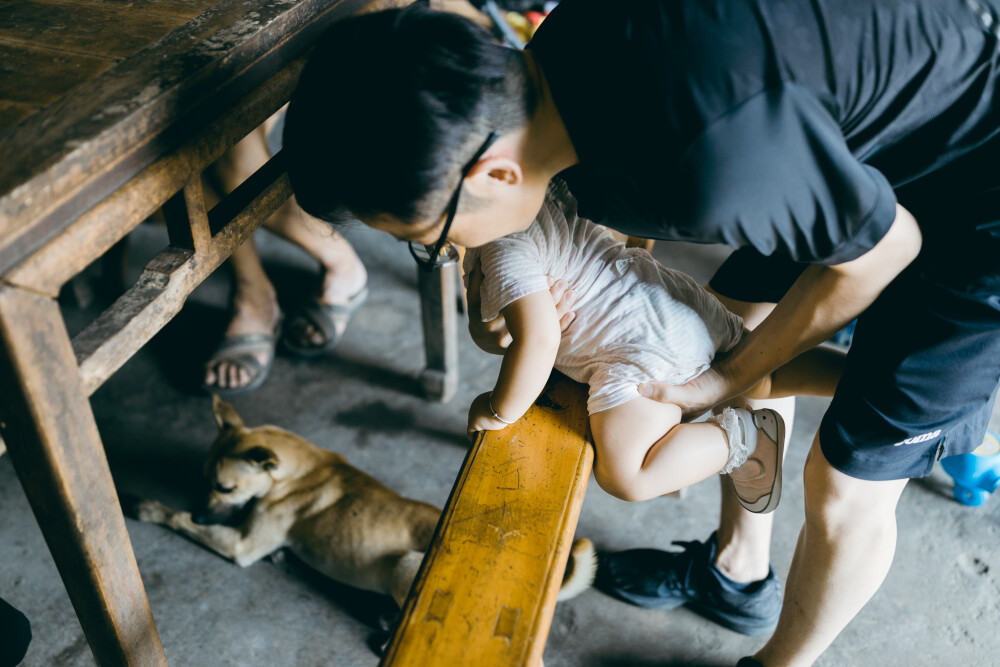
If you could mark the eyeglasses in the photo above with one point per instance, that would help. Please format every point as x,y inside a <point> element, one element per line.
<point>430,257</point>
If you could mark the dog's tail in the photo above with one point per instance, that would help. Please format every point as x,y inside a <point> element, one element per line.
<point>580,570</point>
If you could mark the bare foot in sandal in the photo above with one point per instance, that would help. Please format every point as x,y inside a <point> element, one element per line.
<point>247,349</point>
<point>318,325</point>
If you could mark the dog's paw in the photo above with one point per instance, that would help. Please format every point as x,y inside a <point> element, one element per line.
<point>152,511</point>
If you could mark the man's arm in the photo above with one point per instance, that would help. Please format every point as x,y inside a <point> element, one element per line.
<point>822,301</point>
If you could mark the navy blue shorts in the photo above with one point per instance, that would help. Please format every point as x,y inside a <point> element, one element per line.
<point>922,372</point>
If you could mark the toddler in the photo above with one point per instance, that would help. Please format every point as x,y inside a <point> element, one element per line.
<point>636,321</point>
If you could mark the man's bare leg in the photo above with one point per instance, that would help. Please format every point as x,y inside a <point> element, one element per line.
<point>843,554</point>
<point>744,538</point>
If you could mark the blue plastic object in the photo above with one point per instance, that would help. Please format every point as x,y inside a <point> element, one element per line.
<point>844,336</point>
<point>977,473</point>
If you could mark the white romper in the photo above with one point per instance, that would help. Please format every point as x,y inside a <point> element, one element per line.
<point>636,321</point>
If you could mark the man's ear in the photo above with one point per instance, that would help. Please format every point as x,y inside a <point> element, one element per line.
<point>493,171</point>
<point>225,414</point>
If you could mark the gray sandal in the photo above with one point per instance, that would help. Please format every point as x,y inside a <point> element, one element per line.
<point>325,318</point>
<point>240,351</point>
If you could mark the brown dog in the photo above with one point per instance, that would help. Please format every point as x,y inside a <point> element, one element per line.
<point>339,520</point>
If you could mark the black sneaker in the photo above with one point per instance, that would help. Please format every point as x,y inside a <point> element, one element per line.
<point>657,579</point>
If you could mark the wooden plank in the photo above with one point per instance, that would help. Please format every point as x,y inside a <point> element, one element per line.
<point>94,30</point>
<point>486,591</point>
<point>12,113</point>
<point>166,7</point>
<point>38,76</point>
<point>77,151</point>
<point>95,232</point>
<point>53,442</point>
<point>111,340</point>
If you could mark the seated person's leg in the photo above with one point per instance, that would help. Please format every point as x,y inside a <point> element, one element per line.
<point>244,356</point>
<point>242,361</point>
<point>321,318</point>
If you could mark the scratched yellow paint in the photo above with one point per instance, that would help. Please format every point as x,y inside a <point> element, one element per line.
<point>486,592</point>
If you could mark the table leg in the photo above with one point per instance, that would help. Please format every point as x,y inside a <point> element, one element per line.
<point>438,310</point>
<point>57,453</point>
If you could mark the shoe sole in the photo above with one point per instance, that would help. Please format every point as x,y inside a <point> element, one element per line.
<point>769,502</point>
<point>662,604</point>
<point>732,622</point>
<point>735,623</point>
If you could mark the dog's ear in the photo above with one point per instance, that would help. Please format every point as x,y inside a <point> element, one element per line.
<point>225,414</point>
<point>262,456</point>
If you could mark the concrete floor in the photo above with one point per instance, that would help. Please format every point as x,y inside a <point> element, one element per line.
<point>939,606</point>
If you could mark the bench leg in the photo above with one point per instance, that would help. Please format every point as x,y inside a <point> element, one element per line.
<point>438,311</point>
<point>57,453</point>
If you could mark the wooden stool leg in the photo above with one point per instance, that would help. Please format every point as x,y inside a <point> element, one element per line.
<point>58,456</point>
<point>438,311</point>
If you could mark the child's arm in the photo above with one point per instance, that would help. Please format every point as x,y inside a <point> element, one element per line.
<point>534,327</point>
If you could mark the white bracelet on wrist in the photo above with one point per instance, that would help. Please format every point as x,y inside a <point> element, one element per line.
<point>494,411</point>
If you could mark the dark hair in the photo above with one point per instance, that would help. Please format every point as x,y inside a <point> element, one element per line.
<point>389,108</point>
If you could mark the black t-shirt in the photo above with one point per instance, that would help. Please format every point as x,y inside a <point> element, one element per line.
<point>784,125</point>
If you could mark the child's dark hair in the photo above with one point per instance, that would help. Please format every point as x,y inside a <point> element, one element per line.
<point>389,108</point>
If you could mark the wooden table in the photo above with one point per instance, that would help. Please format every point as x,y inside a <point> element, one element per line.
<point>108,111</point>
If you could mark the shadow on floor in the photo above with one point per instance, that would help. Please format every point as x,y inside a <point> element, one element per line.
<point>629,659</point>
<point>379,416</point>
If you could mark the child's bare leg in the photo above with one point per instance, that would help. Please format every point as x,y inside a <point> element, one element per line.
<point>643,451</point>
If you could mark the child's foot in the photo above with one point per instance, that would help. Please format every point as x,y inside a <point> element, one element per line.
<point>757,481</point>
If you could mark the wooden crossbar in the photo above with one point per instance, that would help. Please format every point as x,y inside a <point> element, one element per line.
<point>486,591</point>
<point>159,293</point>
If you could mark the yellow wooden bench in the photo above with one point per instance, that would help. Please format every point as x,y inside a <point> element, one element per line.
<point>486,591</point>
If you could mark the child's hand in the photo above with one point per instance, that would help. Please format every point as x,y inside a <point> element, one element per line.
<point>481,417</point>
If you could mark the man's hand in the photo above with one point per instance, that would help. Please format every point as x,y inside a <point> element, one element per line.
<point>493,336</point>
<point>698,395</point>
<point>481,417</point>
<point>821,302</point>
